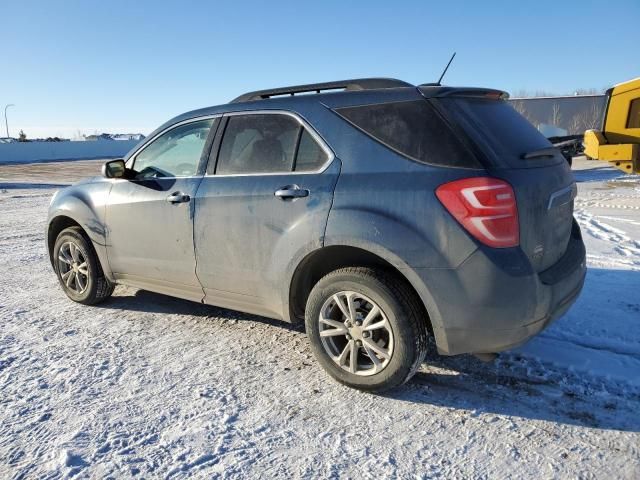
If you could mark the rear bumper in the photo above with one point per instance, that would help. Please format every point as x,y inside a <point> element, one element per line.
<point>495,301</point>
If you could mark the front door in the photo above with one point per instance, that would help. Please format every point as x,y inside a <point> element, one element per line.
<point>265,205</point>
<point>150,216</point>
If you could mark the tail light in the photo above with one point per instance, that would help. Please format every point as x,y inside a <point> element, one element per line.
<point>485,207</point>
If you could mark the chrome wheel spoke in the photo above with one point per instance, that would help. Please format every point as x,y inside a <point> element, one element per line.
<point>376,361</point>
<point>343,308</point>
<point>334,323</point>
<point>83,268</point>
<point>373,313</point>
<point>352,307</point>
<point>66,278</point>
<point>353,357</point>
<point>375,326</point>
<point>333,332</point>
<point>342,359</point>
<point>64,257</point>
<point>81,282</point>
<point>74,252</point>
<point>355,333</point>
<point>377,349</point>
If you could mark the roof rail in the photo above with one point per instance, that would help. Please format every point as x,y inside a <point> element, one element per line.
<point>355,84</point>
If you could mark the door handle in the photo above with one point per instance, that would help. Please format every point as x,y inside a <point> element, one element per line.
<point>178,197</point>
<point>291,191</point>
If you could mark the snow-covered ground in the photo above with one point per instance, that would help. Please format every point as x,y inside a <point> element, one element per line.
<point>150,386</point>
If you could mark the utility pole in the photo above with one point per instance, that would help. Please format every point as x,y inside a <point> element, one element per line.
<point>6,123</point>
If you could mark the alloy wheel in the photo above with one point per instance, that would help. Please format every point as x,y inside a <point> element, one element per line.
<point>73,267</point>
<point>356,333</point>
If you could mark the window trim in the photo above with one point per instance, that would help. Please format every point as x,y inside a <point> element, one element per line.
<point>301,121</point>
<point>207,145</point>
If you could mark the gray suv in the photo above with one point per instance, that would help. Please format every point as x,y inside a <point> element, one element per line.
<point>376,212</point>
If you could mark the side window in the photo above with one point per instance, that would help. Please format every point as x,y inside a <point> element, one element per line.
<point>310,155</point>
<point>175,153</point>
<point>258,143</point>
<point>634,114</point>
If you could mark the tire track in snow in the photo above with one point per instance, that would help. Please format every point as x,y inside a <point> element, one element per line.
<point>619,238</point>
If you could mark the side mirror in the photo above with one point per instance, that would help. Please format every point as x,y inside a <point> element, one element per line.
<point>114,169</point>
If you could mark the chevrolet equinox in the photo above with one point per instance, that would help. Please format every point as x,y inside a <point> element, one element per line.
<point>376,212</point>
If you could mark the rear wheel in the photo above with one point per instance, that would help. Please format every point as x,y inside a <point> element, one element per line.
<point>78,268</point>
<point>366,328</point>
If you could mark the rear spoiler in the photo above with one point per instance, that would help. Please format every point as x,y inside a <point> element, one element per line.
<point>430,90</point>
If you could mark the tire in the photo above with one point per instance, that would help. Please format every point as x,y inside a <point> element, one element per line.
<point>402,338</point>
<point>86,285</point>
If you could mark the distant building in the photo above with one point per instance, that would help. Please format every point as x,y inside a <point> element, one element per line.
<point>102,136</point>
<point>128,136</point>
<point>115,136</point>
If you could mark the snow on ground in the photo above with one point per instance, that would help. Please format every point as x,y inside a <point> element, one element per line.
<point>600,335</point>
<point>149,386</point>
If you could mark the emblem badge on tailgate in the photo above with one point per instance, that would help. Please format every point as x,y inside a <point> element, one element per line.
<point>538,251</point>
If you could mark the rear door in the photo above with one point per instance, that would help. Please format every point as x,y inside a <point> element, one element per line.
<point>516,152</point>
<point>150,216</point>
<point>262,206</point>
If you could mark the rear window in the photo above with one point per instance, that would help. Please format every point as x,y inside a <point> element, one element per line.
<point>412,128</point>
<point>496,125</point>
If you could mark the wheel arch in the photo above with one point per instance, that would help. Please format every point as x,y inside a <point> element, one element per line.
<point>81,205</point>
<point>60,221</point>
<point>322,261</point>
<point>56,225</point>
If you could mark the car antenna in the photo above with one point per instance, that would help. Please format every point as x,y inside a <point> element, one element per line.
<point>439,82</point>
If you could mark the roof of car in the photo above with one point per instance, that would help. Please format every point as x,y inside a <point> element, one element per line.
<point>333,95</point>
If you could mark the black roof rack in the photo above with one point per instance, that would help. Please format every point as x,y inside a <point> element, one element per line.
<point>355,84</point>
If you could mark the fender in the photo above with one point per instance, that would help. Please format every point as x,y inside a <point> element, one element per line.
<point>388,239</point>
<point>86,207</point>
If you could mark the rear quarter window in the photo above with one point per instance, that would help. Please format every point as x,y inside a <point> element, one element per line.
<point>412,128</point>
<point>310,156</point>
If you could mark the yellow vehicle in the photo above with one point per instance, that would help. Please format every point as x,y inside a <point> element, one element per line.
<point>619,140</point>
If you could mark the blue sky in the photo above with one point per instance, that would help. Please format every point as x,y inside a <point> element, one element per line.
<point>127,66</point>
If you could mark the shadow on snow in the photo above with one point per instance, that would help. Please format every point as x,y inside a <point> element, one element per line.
<point>514,385</point>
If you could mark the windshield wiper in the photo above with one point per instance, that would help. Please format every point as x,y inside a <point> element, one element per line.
<point>543,152</point>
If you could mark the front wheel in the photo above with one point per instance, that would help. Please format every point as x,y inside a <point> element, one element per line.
<point>366,327</point>
<point>78,268</point>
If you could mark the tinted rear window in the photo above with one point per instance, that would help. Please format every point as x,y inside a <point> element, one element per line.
<point>412,128</point>
<point>497,125</point>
